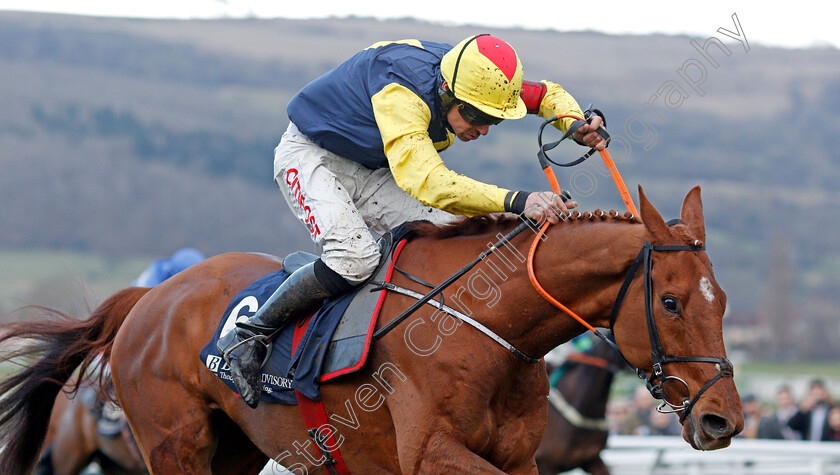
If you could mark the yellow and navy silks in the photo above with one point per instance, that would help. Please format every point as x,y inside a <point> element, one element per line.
<point>381,108</point>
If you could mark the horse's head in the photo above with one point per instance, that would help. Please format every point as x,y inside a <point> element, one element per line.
<point>670,326</point>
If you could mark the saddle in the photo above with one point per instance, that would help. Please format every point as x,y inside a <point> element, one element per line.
<point>336,339</point>
<point>348,345</point>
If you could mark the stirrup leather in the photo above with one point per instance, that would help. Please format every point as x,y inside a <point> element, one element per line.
<point>259,330</point>
<point>265,340</point>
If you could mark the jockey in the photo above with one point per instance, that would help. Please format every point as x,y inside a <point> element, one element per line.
<point>361,153</point>
<point>162,269</point>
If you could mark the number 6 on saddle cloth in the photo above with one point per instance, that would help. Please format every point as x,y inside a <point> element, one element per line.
<point>337,336</point>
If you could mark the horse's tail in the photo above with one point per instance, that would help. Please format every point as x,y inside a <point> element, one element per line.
<point>49,353</point>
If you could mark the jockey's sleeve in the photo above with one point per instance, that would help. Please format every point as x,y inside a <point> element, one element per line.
<point>548,99</point>
<point>403,120</point>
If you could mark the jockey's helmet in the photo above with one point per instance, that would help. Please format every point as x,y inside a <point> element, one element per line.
<point>485,72</point>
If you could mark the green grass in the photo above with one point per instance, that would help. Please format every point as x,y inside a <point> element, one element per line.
<point>823,369</point>
<point>64,280</point>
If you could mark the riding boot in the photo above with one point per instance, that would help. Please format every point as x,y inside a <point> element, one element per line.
<point>245,348</point>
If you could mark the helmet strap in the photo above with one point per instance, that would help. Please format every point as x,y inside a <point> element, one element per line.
<point>458,61</point>
<point>447,101</point>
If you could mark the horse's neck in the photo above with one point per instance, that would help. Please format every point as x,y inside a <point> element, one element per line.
<point>581,264</point>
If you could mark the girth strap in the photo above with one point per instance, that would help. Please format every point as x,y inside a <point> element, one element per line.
<point>460,316</point>
<point>315,416</point>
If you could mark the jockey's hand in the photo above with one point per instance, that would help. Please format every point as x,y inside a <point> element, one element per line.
<point>548,203</point>
<point>588,136</point>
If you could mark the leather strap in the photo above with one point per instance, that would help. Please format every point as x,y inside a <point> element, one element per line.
<point>315,416</point>
<point>570,412</point>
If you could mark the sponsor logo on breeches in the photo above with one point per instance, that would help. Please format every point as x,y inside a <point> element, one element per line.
<point>293,181</point>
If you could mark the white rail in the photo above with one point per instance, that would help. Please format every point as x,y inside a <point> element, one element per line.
<point>635,455</point>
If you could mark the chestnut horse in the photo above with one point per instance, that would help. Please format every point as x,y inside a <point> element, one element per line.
<point>74,442</point>
<point>576,431</point>
<point>428,400</point>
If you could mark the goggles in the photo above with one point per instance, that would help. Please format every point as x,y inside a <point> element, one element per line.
<point>470,113</point>
<point>475,116</point>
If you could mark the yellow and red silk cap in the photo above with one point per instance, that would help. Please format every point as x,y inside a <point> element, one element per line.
<point>485,72</point>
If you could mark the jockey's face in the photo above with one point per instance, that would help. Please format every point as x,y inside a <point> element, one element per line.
<point>463,129</point>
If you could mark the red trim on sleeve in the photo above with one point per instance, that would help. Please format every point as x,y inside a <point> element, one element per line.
<point>532,94</point>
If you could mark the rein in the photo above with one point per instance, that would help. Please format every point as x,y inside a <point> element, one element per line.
<point>460,316</point>
<point>449,280</point>
<point>605,154</point>
<point>659,377</point>
<point>427,298</point>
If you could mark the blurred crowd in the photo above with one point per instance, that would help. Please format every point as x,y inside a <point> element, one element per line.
<point>638,416</point>
<point>815,417</point>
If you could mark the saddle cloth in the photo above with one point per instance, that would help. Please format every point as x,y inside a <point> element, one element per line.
<point>336,341</point>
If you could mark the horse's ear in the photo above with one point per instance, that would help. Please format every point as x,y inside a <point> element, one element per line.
<point>692,213</point>
<point>653,220</point>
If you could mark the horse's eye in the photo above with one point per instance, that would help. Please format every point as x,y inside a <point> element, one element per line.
<point>671,305</point>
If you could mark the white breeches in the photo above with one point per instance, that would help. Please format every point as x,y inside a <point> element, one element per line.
<point>341,201</point>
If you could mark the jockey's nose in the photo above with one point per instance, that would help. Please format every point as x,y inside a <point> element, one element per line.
<point>482,129</point>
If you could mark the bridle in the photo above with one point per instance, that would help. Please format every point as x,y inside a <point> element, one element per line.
<point>659,358</point>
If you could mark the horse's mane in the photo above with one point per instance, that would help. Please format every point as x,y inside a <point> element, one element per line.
<point>490,222</point>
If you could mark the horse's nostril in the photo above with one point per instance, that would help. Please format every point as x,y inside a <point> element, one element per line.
<point>716,426</point>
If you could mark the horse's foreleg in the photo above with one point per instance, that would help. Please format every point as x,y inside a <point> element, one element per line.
<point>75,439</point>
<point>441,453</point>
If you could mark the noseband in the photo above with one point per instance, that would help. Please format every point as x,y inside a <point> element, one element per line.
<point>659,358</point>
<point>655,381</point>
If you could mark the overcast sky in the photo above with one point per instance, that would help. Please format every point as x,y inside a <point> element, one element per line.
<point>803,23</point>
